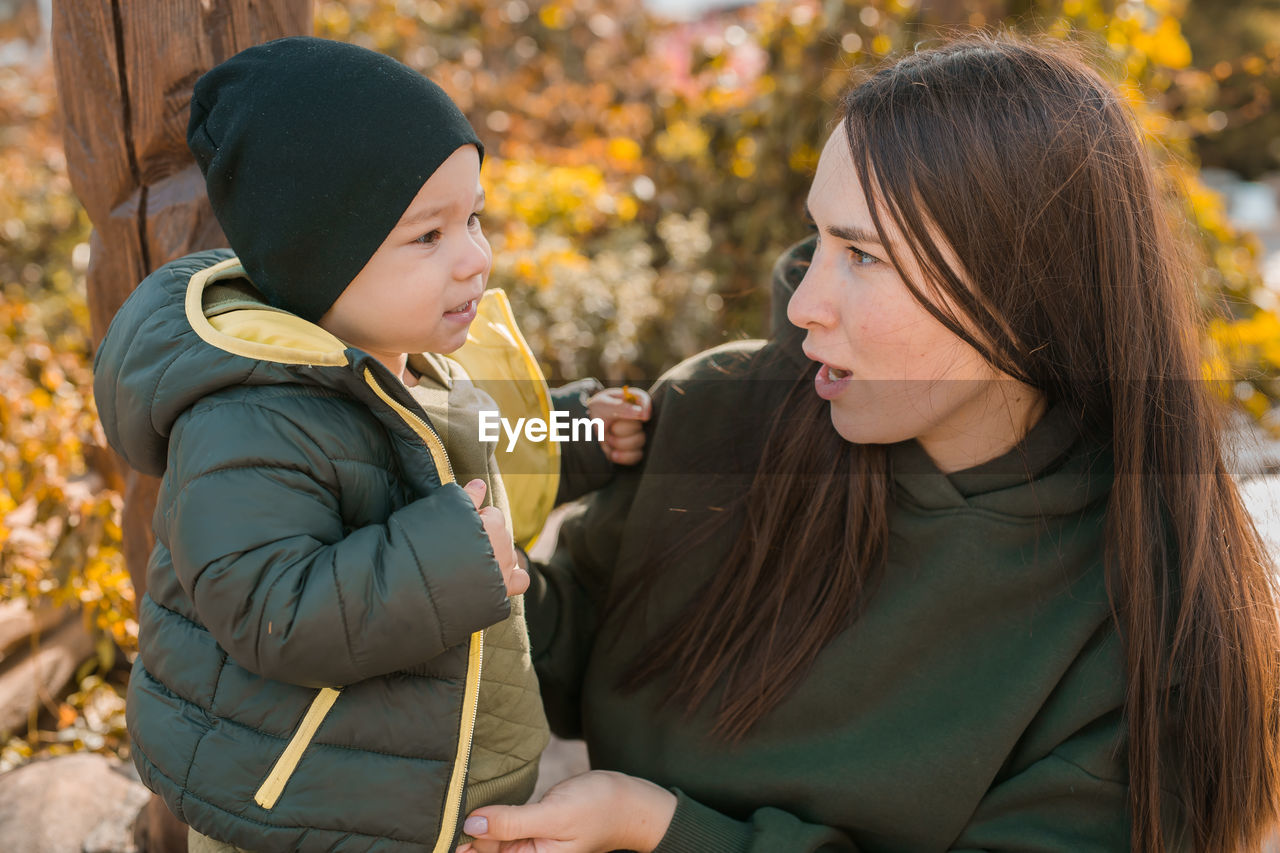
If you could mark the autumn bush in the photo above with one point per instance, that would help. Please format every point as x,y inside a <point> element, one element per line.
<point>641,177</point>
<point>59,520</point>
<point>608,128</point>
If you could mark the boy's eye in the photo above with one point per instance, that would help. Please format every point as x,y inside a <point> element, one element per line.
<point>430,238</point>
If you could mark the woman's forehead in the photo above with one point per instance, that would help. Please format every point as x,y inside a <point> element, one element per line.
<point>835,186</point>
<point>836,198</point>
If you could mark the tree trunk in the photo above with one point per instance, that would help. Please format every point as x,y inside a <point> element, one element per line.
<point>125,69</point>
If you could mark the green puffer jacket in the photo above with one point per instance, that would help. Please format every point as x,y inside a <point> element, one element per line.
<point>311,633</point>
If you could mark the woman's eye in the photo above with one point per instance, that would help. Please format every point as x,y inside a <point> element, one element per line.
<point>430,238</point>
<point>861,258</point>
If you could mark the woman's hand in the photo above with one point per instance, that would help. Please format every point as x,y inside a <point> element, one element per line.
<point>595,812</point>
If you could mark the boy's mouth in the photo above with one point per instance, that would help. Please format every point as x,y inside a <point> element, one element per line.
<point>464,307</point>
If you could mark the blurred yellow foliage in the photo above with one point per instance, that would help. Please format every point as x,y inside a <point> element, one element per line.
<point>682,140</point>
<point>570,199</point>
<point>59,522</point>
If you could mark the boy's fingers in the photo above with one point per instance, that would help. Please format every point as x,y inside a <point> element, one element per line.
<point>625,427</point>
<point>625,442</point>
<point>609,405</point>
<point>609,409</point>
<point>475,490</point>
<point>518,582</point>
<point>626,457</point>
<point>645,405</point>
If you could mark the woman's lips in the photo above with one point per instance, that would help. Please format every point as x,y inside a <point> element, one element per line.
<point>830,382</point>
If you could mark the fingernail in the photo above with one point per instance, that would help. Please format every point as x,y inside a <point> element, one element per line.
<point>475,825</point>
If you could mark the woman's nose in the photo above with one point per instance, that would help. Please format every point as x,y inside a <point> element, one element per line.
<point>809,306</point>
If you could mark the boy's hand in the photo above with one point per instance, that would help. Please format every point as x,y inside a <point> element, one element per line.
<point>495,524</point>
<point>622,410</point>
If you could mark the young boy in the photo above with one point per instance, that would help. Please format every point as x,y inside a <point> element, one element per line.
<point>323,592</point>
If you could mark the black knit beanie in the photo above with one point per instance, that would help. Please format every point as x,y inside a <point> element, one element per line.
<point>312,150</point>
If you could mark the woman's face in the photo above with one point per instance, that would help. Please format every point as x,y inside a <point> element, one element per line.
<point>889,369</point>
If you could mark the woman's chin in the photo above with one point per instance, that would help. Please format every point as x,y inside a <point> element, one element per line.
<point>860,429</point>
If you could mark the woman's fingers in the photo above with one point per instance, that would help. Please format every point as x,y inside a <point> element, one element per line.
<point>480,847</point>
<point>505,823</point>
<point>511,823</point>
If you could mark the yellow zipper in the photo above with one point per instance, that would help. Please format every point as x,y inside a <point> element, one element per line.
<point>461,761</point>
<point>471,695</point>
<point>427,433</point>
<point>284,767</point>
<point>288,760</point>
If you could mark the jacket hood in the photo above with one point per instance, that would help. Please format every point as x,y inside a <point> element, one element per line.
<point>191,328</point>
<point>788,270</point>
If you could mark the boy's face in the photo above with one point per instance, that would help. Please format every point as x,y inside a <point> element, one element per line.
<point>418,292</point>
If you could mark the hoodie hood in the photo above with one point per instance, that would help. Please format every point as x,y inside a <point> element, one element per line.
<point>194,327</point>
<point>788,270</point>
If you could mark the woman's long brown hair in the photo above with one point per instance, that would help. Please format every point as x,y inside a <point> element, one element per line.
<point>1023,160</point>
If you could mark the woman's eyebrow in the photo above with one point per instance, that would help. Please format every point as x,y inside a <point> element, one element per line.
<point>850,234</point>
<point>853,235</point>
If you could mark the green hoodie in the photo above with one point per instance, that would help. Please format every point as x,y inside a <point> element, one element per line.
<point>977,702</point>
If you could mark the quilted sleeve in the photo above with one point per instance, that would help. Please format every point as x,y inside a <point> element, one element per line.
<point>259,545</point>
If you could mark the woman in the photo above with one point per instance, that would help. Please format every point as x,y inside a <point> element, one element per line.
<point>979,579</point>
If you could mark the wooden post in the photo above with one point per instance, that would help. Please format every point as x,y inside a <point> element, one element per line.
<point>124,71</point>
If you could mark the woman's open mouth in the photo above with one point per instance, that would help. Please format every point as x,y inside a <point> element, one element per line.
<point>831,381</point>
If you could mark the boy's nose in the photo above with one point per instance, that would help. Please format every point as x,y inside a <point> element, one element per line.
<point>474,260</point>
